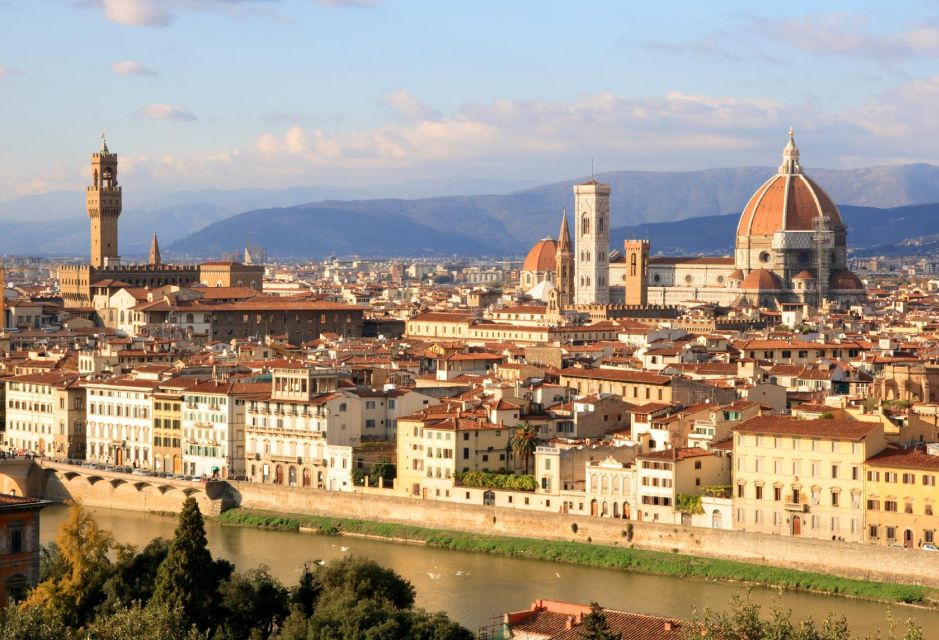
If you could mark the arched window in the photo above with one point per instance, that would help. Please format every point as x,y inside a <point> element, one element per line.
<point>585,225</point>
<point>600,226</point>
<point>190,318</point>
<point>632,264</point>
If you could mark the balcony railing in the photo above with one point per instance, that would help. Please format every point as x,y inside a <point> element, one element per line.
<point>796,506</point>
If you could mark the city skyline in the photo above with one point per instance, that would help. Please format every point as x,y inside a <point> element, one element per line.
<point>362,92</point>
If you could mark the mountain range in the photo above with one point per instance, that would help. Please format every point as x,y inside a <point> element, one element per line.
<point>317,221</point>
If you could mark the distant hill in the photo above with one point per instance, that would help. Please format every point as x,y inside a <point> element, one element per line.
<point>340,228</point>
<point>209,222</point>
<point>909,230</point>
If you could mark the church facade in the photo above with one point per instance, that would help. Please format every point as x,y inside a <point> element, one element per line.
<point>790,248</point>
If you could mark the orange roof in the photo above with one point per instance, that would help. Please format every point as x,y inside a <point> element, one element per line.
<point>787,203</point>
<point>542,256</point>
<point>761,280</point>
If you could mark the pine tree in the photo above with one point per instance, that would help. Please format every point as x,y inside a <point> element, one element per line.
<point>595,627</point>
<point>188,579</point>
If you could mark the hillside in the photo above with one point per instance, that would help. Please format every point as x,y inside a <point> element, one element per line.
<point>210,221</point>
<point>909,230</point>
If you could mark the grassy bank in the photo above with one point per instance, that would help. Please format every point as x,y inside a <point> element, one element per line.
<point>628,559</point>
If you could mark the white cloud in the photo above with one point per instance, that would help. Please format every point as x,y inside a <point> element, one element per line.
<point>131,68</point>
<point>165,112</point>
<point>406,105</point>
<point>849,34</point>
<point>138,13</point>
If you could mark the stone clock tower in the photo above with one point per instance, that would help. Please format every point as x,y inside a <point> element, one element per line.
<point>104,204</point>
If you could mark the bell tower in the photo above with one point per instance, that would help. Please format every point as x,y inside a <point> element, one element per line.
<point>564,267</point>
<point>104,203</point>
<point>592,247</point>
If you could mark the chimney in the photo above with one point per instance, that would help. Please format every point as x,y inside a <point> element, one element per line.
<point>668,625</point>
<point>569,623</point>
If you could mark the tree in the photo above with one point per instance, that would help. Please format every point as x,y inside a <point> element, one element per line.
<point>139,623</point>
<point>384,469</point>
<point>595,626</point>
<point>133,577</point>
<point>525,442</point>
<point>188,579</point>
<point>362,579</point>
<point>17,623</point>
<point>74,577</point>
<point>254,602</point>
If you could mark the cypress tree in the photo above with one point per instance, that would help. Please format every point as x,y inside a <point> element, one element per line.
<point>188,579</point>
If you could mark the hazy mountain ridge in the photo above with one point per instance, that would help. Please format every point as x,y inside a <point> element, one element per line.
<point>501,224</point>
<point>907,230</point>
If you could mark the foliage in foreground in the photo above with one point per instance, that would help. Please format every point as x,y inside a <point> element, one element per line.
<point>744,621</point>
<point>624,558</point>
<point>175,590</point>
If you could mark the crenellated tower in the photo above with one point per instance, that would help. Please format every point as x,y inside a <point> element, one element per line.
<point>104,203</point>
<point>636,280</point>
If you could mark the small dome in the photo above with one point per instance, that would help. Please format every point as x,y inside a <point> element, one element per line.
<point>736,275</point>
<point>542,256</point>
<point>803,275</point>
<point>761,280</point>
<point>789,201</point>
<point>842,280</point>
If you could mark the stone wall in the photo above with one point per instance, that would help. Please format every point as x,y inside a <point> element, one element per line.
<point>141,493</point>
<point>839,558</point>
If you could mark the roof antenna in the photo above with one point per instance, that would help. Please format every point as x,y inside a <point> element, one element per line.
<point>592,178</point>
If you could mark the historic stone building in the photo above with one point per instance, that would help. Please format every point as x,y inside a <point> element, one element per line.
<point>104,198</point>
<point>790,247</point>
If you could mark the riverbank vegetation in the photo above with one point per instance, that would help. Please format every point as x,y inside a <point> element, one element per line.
<point>612,557</point>
<point>93,588</point>
<point>496,480</point>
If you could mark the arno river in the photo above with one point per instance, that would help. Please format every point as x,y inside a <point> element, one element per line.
<point>472,588</point>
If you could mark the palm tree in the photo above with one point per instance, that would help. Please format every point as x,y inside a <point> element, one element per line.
<point>524,442</point>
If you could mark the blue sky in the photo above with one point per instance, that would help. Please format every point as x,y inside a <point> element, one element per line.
<point>272,93</point>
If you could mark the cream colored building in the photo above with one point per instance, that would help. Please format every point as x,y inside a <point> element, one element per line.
<point>433,446</point>
<point>120,422</point>
<point>663,475</point>
<point>214,429</point>
<point>45,414</point>
<point>803,477</point>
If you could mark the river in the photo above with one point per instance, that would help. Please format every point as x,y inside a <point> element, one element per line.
<point>472,588</point>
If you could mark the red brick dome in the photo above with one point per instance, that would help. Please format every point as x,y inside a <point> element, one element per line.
<point>542,256</point>
<point>789,201</point>
<point>844,280</point>
<point>804,275</point>
<point>761,280</point>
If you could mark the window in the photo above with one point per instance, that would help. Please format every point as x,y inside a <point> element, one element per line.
<point>927,509</point>
<point>908,506</point>
<point>834,498</point>
<point>777,494</point>
<point>872,531</point>
<point>891,533</point>
<point>890,505</point>
<point>759,492</point>
<point>834,471</point>
<point>740,490</point>
<point>16,540</point>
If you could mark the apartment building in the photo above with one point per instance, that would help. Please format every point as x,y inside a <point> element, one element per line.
<point>434,445</point>
<point>120,422</point>
<point>900,486</point>
<point>213,425</point>
<point>662,475</point>
<point>803,477</point>
<point>45,414</point>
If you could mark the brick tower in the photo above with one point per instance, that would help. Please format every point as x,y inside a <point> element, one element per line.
<point>104,204</point>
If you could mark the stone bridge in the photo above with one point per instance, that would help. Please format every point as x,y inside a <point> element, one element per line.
<point>60,481</point>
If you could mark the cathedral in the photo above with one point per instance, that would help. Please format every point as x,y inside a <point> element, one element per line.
<point>790,248</point>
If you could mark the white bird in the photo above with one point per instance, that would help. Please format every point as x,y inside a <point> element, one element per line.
<point>557,575</point>
<point>343,549</point>
<point>459,573</point>
<point>321,562</point>
<point>433,576</point>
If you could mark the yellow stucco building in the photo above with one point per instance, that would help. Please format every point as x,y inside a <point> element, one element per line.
<point>901,497</point>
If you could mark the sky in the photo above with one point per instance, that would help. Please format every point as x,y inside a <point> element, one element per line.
<point>197,94</point>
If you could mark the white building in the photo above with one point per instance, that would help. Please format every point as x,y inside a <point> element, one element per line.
<point>120,422</point>
<point>45,414</point>
<point>214,428</point>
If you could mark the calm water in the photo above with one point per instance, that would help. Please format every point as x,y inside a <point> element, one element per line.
<point>472,588</point>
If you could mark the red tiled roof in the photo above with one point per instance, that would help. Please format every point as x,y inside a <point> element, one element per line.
<point>784,425</point>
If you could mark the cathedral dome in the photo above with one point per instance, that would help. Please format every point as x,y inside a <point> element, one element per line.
<point>803,275</point>
<point>844,280</point>
<point>789,201</point>
<point>761,280</point>
<point>542,256</point>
